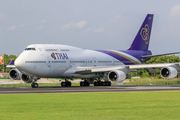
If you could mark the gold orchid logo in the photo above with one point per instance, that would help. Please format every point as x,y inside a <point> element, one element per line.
<point>53,56</point>
<point>145,33</point>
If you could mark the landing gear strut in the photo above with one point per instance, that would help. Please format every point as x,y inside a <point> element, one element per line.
<point>33,84</point>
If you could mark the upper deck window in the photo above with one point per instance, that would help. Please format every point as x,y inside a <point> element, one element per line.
<point>64,50</point>
<point>30,49</point>
<point>51,49</point>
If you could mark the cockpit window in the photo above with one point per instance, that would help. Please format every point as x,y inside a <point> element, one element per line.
<point>30,49</point>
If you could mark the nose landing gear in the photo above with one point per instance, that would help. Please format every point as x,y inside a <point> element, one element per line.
<point>33,84</point>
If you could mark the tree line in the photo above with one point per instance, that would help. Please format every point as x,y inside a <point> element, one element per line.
<point>154,60</point>
<point>7,60</point>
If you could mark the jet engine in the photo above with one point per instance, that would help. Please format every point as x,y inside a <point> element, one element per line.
<point>26,78</point>
<point>117,76</point>
<point>15,74</point>
<point>168,72</point>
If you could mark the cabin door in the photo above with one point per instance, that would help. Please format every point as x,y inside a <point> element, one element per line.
<point>48,62</point>
<point>94,62</point>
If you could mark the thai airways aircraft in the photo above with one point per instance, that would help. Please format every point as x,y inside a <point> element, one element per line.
<point>67,62</point>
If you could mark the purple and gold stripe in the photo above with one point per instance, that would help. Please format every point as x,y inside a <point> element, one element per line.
<point>121,57</point>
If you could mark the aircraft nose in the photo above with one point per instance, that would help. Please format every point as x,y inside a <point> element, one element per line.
<point>18,63</point>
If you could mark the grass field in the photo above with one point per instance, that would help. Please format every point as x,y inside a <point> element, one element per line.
<point>91,106</point>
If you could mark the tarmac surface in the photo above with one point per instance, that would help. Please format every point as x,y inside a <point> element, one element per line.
<point>73,89</point>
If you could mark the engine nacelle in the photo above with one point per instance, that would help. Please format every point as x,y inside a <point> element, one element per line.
<point>117,76</point>
<point>168,72</point>
<point>15,74</point>
<point>26,78</point>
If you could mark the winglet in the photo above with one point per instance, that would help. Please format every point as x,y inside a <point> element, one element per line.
<point>11,64</point>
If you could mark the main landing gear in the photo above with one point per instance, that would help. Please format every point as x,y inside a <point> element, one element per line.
<point>106,82</point>
<point>99,83</point>
<point>85,83</point>
<point>66,84</point>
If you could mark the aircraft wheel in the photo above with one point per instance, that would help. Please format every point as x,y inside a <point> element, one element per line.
<point>106,83</point>
<point>94,83</point>
<point>99,83</point>
<point>103,83</point>
<point>63,84</point>
<point>87,83</point>
<point>34,85</point>
<point>69,84</point>
<point>81,83</point>
<point>84,83</point>
<point>109,83</point>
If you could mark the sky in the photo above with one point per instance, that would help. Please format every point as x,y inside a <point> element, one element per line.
<point>88,24</point>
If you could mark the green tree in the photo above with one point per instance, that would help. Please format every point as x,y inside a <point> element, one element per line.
<point>155,60</point>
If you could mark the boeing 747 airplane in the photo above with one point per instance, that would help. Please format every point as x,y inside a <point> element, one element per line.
<point>67,62</point>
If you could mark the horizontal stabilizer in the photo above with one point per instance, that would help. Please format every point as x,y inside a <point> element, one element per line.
<point>149,56</point>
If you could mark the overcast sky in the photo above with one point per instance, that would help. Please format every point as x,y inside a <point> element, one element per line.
<point>91,24</point>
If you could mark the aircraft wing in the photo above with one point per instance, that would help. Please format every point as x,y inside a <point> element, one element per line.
<point>90,70</point>
<point>154,66</point>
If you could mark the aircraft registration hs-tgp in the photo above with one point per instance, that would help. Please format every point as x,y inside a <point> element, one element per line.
<point>67,62</point>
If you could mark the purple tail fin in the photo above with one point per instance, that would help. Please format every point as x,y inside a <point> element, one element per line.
<point>142,39</point>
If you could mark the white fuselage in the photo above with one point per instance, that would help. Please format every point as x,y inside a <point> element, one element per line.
<point>60,61</point>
